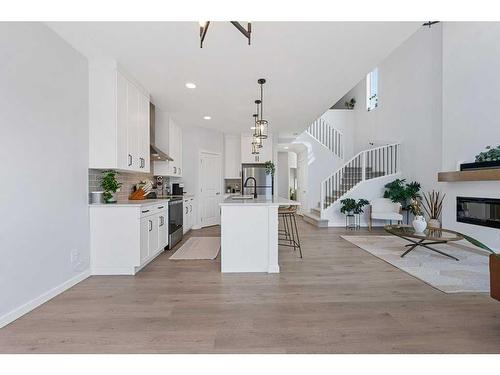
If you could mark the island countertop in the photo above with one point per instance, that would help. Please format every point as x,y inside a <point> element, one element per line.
<point>260,201</point>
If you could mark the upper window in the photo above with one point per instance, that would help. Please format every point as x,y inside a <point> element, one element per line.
<point>372,90</point>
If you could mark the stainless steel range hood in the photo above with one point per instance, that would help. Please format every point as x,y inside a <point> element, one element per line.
<point>156,153</point>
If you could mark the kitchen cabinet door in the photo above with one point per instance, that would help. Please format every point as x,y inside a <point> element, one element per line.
<point>185,218</point>
<point>133,126</point>
<point>179,151</point>
<point>232,156</point>
<point>124,158</point>
<point>143,134</point>
<point>162,230</point>
<point>192,213</point>
<point>144,238</point>
<point>153,244</point>
<point>266,152</point>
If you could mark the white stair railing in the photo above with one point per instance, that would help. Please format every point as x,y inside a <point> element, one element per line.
<point>366,165</point>
<point>328,136</point>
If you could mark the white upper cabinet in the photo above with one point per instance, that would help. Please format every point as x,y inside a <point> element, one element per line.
<point>119,120</point>
<point>265,153</point>
<point>168,138</point>
<point>232,156</point>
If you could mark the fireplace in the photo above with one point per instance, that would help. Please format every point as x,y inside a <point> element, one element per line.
<point>479,211</point>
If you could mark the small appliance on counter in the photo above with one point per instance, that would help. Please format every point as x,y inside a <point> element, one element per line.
<point>178,189</point>
<point>96,197</point>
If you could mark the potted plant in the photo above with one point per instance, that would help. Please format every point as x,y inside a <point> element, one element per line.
<point>494,267</point>
<point>419,223</point>
<point>433,207</point>
<point>350,104</point>
<point>348,206</point>
<point>488,159</point>
<point>359,206</point>
<point>110,186</point>
<point>399,191</point>
<point>270,168</point>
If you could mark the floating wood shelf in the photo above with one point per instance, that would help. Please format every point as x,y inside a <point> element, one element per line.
<point>473,175</point>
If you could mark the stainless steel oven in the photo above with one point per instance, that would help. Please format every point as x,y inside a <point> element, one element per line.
<point>175,221</point>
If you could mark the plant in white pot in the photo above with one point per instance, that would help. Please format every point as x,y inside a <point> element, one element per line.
<point>419,223</point>
<point>433,207</point>
<point>110,185</point>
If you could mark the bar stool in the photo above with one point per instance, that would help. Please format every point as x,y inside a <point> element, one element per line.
<point>289,233</point>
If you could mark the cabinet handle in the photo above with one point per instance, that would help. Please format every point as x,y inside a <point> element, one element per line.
<point>145,211</point>
<point>129,160</point>
<point>150,225</point>
<point>160,207</point>
<point>175,170</point>
<point>161,221</point>
<point>187,210</point>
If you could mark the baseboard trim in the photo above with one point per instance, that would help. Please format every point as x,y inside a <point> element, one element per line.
<point>40,300</point>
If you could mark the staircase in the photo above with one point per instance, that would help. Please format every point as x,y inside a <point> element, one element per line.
<point>366,165</point>
<point>327,135</point>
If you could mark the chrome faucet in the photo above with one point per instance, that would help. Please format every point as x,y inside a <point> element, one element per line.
<point>254,185</point>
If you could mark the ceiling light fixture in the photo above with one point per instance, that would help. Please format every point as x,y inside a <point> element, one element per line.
<point>262,124</point>
<point>246,32</point>
<point>207,118</point>
<point>258,141</point>
<point>430,23</point>
<point>190,85</point>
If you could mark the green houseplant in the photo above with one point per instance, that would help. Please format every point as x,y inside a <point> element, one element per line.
<point>351,206</point>
<point>399,191</point>
<point>270,168</point>
<point>491,154</point>
<point>110,186</point>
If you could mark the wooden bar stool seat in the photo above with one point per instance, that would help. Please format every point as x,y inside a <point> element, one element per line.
<point>289,233</point>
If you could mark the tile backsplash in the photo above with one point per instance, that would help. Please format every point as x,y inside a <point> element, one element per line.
<point>128,179</point>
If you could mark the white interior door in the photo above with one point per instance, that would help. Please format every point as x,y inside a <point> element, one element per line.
<point>210,188</point>
<point>302,182</point>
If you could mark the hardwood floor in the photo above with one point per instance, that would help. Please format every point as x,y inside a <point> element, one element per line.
<point>338,299</point>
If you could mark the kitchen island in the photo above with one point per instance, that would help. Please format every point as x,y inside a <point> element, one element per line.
<point>249,234</point>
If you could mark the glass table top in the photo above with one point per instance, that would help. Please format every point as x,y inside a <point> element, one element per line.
<point>438,234</point>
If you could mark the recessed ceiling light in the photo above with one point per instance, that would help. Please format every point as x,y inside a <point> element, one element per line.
<point>286,147</point>
<point>190,85</point>
<point>207,117</point>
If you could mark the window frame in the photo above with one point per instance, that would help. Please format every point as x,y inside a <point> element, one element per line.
<point>371,93</point>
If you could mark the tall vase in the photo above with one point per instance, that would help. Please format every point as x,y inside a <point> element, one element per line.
<point>434,223</point>
<point>419,224</point>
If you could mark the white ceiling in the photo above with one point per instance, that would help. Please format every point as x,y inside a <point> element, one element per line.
<point>308,65</point>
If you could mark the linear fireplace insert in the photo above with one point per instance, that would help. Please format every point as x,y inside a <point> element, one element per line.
<point>479,211</point>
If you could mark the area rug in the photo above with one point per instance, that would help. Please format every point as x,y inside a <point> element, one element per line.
<point>470,274</point>
<point>198,248</point>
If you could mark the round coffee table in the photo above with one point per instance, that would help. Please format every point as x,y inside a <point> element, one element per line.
<point>431,236</point>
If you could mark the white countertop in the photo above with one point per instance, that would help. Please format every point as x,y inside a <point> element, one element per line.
<point>260,201</point>
<point>131,203</point>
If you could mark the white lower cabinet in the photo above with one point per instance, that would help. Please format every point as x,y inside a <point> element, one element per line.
<point>124,238</point>
<point>189,218</point>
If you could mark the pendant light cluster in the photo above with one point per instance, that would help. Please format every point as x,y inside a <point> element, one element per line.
<point>260,127</point>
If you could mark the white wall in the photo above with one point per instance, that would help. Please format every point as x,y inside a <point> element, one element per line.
<point>283,174</point>
<point>344,121</point>
<point>44,153</point>
<point>471,119</point>
<point>195,140</point>
<point>409,108</point>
